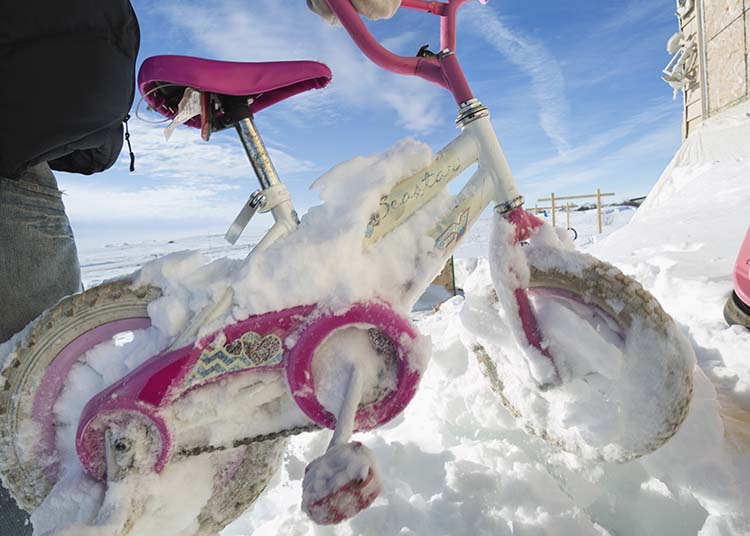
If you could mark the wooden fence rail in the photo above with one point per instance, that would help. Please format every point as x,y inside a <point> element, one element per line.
<point>598,195</point>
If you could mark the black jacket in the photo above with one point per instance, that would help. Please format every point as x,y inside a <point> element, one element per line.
<point>67,80</point>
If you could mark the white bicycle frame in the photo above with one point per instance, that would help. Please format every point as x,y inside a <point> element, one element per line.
<point>492,182</point>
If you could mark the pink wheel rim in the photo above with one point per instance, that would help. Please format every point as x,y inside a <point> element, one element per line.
<point>566,295</point>
<point>54,377</point>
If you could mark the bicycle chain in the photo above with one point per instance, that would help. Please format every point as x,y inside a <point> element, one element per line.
<point>207,449</point>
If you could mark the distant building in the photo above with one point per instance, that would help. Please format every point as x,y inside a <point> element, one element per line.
<point>711,62</point>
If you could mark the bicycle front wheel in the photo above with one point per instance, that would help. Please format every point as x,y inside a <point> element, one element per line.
<point>611,378</point>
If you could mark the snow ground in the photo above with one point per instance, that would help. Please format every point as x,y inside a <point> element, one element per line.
<point>114,260</point>
<point>457,463</point>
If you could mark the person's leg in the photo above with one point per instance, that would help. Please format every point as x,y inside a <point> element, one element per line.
<point>38,258</point>
<point>38,267</point>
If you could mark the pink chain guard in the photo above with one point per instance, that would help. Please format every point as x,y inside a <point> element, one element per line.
<point>258,344</point>
<point>301,381</point>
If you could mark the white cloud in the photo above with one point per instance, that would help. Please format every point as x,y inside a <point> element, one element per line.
<point>633,12</point>
<point>241,31</point>
<point>186,179</point>
<point>600,141</point>
<point>624,161</point>
<point>99,202</point>
<point>537,62</point>
<point>188,159</point>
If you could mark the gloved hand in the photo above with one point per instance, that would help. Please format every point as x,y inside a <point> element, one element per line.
<point>372,9</point>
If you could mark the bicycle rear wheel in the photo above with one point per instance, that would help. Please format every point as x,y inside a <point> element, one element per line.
<point>36,377</point>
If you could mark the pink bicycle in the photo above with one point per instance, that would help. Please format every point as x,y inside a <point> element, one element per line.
<point>351,362</point>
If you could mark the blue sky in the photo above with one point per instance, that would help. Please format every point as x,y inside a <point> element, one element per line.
<point>573,87</point>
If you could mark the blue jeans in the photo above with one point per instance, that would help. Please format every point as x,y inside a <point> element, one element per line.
<point>38,267</point>
<point>38,258</point>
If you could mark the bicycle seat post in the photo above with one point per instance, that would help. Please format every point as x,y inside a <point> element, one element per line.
<point>257,153</point>
<point>273,195</point>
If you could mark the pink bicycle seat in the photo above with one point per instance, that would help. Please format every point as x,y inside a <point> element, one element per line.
<point>163,79</point>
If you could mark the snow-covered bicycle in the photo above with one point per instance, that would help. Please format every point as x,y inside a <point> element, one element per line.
<point>219,364</point>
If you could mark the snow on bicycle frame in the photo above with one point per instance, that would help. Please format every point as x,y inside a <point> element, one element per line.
<point>587,285</point>
<point>225,94</point>
<point>493,181</point>
<point>214,95</point>
<point>279,347</point>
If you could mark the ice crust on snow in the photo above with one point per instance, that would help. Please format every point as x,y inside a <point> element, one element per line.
<point>720,141</point>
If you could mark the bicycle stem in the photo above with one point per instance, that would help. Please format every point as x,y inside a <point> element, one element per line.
<point>446,11</point>
<point>443,69</point>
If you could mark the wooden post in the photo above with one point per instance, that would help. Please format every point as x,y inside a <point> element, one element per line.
<point>553,209</point>
<point>453,277</point>
<point>567,214</point>
<point>556,199</point>
<point>447,277</point>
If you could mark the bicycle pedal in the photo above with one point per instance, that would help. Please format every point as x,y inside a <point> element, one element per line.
<point>334,488</point>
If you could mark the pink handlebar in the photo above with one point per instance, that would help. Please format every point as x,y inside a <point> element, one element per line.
<point>447,12</point>
<point>445,72</point>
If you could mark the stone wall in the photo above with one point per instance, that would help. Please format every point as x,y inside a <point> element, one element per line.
<point>721,29</point>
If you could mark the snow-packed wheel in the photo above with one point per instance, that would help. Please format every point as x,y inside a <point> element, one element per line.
<point>737,312</point>
<point>241,482</point>
<point>35,375</point>
<point>615,379</point>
